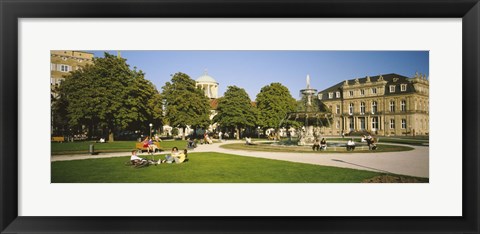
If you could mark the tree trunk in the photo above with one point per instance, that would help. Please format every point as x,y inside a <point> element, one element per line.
<point>110,135</point>
<point>237,133</point>
<point>183,133</point>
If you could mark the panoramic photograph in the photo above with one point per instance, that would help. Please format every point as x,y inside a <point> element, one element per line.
<point>239,116</point>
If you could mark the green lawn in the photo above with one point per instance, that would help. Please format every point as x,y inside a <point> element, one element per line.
<point>206,168</point>
<point>117,146</point>
<point>308,149</point>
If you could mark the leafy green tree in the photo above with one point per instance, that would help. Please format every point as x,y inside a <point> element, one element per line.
<point>108,95</point>
<point>235,110</point>
<point>185,104</point>
<point>145,102</point>
<point>274,102</point>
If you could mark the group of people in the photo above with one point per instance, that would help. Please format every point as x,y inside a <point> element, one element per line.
<point>371,142</point>
<point>322,144</point>
<point>174,157</point>
<point>319,144</point>
<point>150,145</point>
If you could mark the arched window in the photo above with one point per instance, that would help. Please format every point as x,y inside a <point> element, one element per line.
<point>374,107</point>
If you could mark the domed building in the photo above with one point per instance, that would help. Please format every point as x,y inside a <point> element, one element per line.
<point>208,84</point>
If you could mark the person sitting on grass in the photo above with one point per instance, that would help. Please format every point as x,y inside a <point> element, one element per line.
<point>170,158</point>
<point>185,152</point>
<point>135,160</point>
<point>175,156</point>
<point>323,144</point>
<point>182,157</point>
<point>350,145</point>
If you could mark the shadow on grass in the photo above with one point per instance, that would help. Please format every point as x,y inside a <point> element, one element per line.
<point>362,166</point>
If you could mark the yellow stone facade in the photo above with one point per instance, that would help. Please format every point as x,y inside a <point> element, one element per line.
<point>387,105</point>
<point>64,61</point>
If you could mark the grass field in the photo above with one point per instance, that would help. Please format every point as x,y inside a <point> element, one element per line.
<point>117,146</point>
<point>206,168</point>
<point>308,149</point>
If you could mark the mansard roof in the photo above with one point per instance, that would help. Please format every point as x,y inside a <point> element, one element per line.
<point>389,78</point>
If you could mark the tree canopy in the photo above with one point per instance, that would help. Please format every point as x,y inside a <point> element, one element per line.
<point>185,104</point>
<point>274,102</point>
<point>235,109</point>
<point>109,95</point>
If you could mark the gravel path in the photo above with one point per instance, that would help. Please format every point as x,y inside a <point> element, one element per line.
<point>412,163</point>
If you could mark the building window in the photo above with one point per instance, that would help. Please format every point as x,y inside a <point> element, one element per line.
<point>330,95</point>
<point>403,87</point>
<point>64,68</point>
<point>350,93</point>
<point>337,94</point>
<point>362,92</point>
<point>392,106</point>
<point>338,109</point>
<point>52,66</point>
<point>362,108</point>
<point>404,123</point>
<point>374,90</point>
<point>392,123</point>
<point>351,123</point>
<point>374,107</point>
<point>320,95</point>
<point>392,88</point>
<point>350,108</point>
<point>403,105</point>
<point>374,123</point>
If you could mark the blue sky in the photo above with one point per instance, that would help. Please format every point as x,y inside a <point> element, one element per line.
<point>252,70</point>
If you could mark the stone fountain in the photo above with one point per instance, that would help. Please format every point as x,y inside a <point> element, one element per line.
<point>310,114</point>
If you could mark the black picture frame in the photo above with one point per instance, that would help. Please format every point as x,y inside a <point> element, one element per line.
<point>11,11</point>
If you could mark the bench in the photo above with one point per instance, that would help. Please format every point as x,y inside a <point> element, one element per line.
<point>139,146</point>
<point>58,139</point>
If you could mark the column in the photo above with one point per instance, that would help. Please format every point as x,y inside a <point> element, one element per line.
<point>354,124</point>
<point>380,124</point>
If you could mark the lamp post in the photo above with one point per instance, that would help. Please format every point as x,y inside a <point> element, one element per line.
<point>151,125</point>
<point>258,132</point>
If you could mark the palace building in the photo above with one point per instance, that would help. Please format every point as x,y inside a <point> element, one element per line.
<point>388,105</point>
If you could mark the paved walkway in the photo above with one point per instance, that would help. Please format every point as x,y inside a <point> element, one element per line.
<point>413,163</point>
